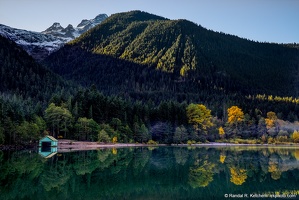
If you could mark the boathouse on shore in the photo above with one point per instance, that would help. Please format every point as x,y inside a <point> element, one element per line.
<point>48,141</point>
<point>47,146</point>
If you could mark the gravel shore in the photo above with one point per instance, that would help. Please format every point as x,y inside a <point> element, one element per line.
<point>69,145</point>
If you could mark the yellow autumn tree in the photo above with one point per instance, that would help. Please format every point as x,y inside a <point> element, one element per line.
<point>200,116</point>
<point>238,175</point>
<point>235,115</point>
<point>271,119</point>
<point>114,140</point>
<point>295,136</point>
<point>221,132</point>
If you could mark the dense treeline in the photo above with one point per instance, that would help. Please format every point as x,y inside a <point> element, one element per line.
<point>154,95</point>
<point>90,115</point>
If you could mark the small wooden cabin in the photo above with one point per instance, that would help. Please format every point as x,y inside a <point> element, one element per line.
<point>48,146</point>
<point>48,141</point>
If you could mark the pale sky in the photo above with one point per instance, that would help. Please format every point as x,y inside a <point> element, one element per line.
<point>258,20</point>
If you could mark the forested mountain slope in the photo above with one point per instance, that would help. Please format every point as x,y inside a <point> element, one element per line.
<point>22,76</point>
<point>182,51</point>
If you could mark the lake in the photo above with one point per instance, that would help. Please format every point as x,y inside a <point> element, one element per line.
<point>152,173</point>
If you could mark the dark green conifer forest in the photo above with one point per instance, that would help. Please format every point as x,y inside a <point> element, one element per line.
<point>133,78</point>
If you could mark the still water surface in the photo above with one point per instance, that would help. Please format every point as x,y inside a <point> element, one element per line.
<point>151,173</point>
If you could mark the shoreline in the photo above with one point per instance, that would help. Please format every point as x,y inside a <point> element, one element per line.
<point>69,145</point>
<point>72,145</point>
<point>234,144</point>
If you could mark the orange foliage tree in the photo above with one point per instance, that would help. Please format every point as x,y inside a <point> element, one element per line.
<point>235,115</point>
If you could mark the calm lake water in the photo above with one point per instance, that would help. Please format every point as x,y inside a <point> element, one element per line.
<point>152,173</point>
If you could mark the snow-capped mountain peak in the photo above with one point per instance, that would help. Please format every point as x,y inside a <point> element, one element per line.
<point>69,28</point>
<point>55,27</point>
<point>70,32</point>
<point>40,45</point>
<point>83,23</point>
<point>36,44</point>
<point>58,31</point>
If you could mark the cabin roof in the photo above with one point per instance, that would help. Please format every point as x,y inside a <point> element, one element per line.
<point>50,137</point>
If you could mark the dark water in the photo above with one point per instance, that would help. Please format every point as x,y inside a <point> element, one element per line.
<point>151,173</point>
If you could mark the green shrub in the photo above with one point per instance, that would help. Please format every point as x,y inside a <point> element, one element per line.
<point>282,139</point>
<point>244,141</point>
<point>270,140</point>
<point>264,138</point>
<point>189,142</point>
<point>152,142</point>
<point>103,136</point>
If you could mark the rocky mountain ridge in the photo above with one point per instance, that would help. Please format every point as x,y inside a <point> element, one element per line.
<point>70,32</point>
<point>40,45</point>
<point>36,44</point>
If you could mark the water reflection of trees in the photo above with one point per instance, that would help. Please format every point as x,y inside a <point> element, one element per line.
<point>222,158</point>
<point>201,175</point>
<point>181,155</point>
<point>243,163</point>
<point>238,175</point>
<point>296,154</point>
<point>137,172</point>
<point>19,175</point>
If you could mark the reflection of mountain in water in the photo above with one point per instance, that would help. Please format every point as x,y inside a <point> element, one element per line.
<point>143,173</point>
